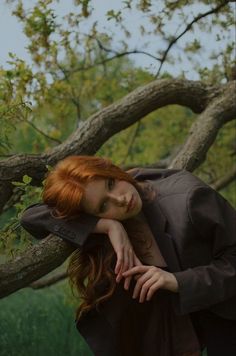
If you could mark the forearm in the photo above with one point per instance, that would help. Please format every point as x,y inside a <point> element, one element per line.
<point>203,286</point>
<point>39,221</point>
<point>106,226</point>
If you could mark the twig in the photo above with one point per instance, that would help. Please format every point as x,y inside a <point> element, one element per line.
<point>225,180</point>
<point>46,282</point>
<point>188,27</point>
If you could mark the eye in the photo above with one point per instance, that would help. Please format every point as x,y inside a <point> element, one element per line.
<point>111,183</point>
<point>103,207</point>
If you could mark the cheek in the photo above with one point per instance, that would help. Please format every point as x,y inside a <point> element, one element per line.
<point>116,214</point>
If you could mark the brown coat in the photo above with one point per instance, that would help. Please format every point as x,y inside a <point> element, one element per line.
<point>195,229</point>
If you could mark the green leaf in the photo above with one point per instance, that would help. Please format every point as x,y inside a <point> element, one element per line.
<point>26,179</point>
<point>18,184</point>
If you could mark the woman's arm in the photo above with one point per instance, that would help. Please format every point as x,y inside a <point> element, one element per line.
<point>38,220</point>
<point>214,220</point>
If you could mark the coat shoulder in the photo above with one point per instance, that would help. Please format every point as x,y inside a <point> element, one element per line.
<point>175,182</point>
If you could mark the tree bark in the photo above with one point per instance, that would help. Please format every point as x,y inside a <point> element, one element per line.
<point>204,130</point>
<point>33,263</point>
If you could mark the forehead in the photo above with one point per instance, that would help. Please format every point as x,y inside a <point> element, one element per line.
<point>93,193</point>
<point>94,185</point>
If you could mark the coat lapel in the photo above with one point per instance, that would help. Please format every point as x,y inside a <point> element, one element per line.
<point>153,213</point>
<point>158,223</point>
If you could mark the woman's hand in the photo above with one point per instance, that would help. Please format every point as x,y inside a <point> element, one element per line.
<point>152,279</point>
<point>126,257</point>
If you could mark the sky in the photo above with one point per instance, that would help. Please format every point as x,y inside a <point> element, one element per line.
<point>12,38</point>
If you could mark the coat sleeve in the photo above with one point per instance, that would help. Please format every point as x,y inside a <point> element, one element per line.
<point>214,221</point>
<point>39,221</point>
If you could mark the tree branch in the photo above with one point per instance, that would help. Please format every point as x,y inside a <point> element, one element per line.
<point>106,60</point>
<point>41,132</point>
<point>225,180</point>
<point>204,130</point>
<point>33,263</point>
<point>96,130</point>
<point>46,282</point>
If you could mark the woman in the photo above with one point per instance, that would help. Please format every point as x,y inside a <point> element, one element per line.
<point>166,228</point>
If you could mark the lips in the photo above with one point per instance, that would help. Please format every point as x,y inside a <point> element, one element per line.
<point>130,205</point>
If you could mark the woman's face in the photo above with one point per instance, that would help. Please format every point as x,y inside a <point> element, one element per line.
<point>110,198</point>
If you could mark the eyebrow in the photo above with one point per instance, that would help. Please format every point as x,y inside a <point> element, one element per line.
<point>97,211</point>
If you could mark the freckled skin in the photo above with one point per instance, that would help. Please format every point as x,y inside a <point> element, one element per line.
<point>114,196</point>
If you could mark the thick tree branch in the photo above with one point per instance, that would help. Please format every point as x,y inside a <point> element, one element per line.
<point>96,130</point>
<point>204,130</point>
<point>32,264</point>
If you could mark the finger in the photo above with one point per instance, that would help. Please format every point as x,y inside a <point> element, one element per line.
<point>127,282</point>
<point>125,266</point>
<point>120,259</point>
<point>119,275</point>
<point>152,289</point>
<point>137,276</point>
<point>140,282</point>
<point>145,288</point>
<point>136,269</point>
<point>128,279</point>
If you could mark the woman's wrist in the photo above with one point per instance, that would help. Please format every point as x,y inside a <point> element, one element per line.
<point>172,283</point>
<point>105,226</point>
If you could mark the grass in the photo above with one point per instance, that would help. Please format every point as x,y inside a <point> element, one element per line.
<point>39,323</point>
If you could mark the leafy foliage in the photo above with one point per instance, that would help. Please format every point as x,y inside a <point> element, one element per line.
<point>14,238</point>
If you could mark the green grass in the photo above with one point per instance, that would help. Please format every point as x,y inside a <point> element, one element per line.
<point>39,323</point>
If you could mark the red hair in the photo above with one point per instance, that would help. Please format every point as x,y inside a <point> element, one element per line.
<point>65,184</point>
<point>90,271</point>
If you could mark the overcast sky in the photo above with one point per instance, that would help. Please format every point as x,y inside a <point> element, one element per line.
<point>12,38</point>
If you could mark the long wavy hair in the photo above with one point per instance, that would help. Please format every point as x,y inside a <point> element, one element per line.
<point>90,269</point>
